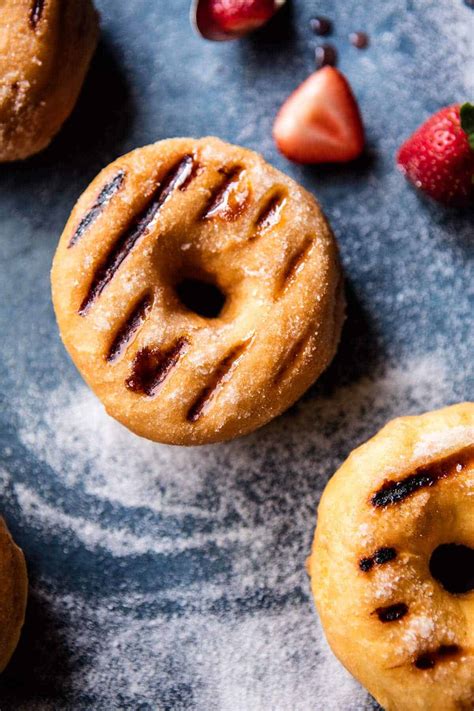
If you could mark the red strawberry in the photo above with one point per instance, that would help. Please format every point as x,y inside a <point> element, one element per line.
<point>439,157</point>
<point>320,122</point>
<point>230,19</point>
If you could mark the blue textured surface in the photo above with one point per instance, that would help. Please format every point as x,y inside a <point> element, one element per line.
<point>173,579</point>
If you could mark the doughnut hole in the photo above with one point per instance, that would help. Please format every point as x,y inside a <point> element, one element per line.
<point>203,298</point>
<point>452,565</point>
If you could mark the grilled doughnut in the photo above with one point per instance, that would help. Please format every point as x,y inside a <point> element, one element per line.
<point>392,566</point>
<point>198,290</point>
<point>13,592</point>
<point>45,50</point>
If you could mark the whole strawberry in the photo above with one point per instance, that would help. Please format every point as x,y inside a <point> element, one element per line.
<point>439,157</point>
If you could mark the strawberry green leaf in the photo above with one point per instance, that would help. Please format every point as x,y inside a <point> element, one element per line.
<point>467,122</point>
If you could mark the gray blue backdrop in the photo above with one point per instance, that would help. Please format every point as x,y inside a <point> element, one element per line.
<point>173,579</point>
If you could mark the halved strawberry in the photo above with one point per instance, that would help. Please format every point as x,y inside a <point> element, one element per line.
<point>320,122</point>
<point>439,157</point>
<point>230,19</point>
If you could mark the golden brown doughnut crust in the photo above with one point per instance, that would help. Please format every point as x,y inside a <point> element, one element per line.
<point>184,209</point>
<point>13,593</point>
<point>393,502</point>
<point>45,50</point>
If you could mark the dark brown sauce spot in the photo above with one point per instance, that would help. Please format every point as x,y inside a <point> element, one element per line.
<point>393,492</point>
<point>219,377</point>
<point>296,262</point>
<point>140,225</point>
<point>359,39</point>
<point>428,660</point>
<point>325,56</point>
<point>392,613</point>
<point>152,366</point>
<point>380,557</point>
<point>126,332</point>
<point>321,25</point>
<point>36,13</point>
<point>270,213</point>
<point>107,192</point>
<point>226,201</point>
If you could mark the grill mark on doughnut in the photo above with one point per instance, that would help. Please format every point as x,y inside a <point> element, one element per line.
<point>129,329</point>
<point>291,358</point>
<point>380,557</point>
<point>394,492</point>
<point>173,180</point>
<point>219,203</point>
<point>219,377</point>
<point>270,213</point>
<point>152,366</point>
<point>105,195</point>
<point>428,660</point>
<point>36,13</point>
<point>295,263</point>
<point>391,613</point>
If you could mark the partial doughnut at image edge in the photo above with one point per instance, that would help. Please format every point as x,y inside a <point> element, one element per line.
<point>46,50</point>
<point>393,582</point>
<point>198,290</point>
<point>13,594</point>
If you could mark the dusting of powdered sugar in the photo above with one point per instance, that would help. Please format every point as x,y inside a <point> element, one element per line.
<point>434,444</point>
<point>129,499</point>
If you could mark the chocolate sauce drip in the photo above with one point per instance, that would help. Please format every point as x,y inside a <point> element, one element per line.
<point>220,376</point>
<point>152,366</point>
<point>393,492</point>
<point>428,660</point>
<point>392,613</point>
<point>129,328</point>
<point>140,225</point>
<point>36,13</point>
<point>270,213</point>
<point>380,557</point>
<point>103,198</point>
<point>219,203</point>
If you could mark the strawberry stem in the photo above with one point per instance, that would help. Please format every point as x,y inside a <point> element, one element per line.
<point>467,122</point>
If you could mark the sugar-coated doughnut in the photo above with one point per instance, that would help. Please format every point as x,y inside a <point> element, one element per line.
<point>13,593</point>
<point>198,290</point>
<point>392,565</point>
<point>45,50</point>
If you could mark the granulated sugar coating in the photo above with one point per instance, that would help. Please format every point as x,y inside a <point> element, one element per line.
<point>169,578</point>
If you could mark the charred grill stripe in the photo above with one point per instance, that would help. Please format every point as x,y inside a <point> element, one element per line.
<point>270,213</point>
<point>218,201</point>
<point>393,492</point>
<point>128,330</point>
<point>140,225</point>
<point>296,262</point>
<point>221,375</point>
<point>291,358</point>
<point>105,195</point>
<point>392,613</point>
<point>152,366</point>
<point>36,13</point>
<point>380,557</point>
<point>428,660</point>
